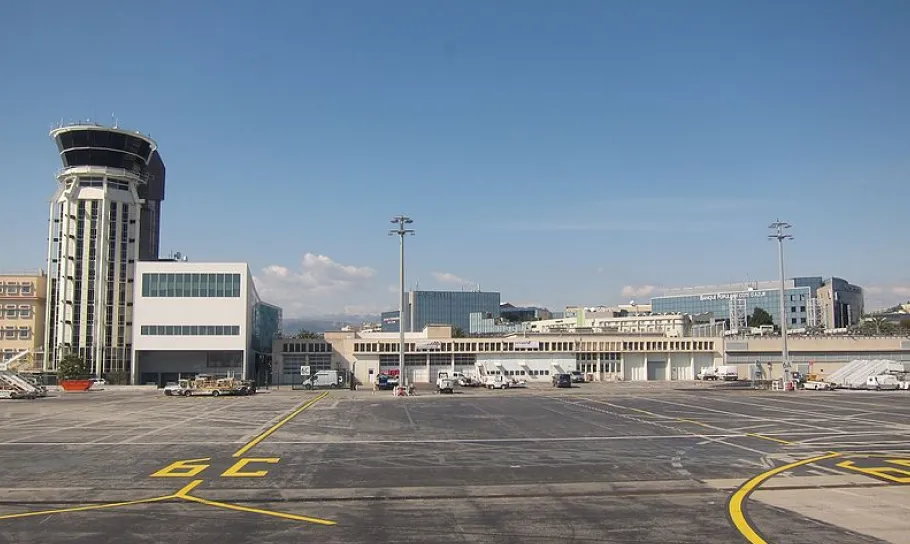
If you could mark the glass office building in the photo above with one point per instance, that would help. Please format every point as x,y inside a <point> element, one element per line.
<point>725,301</point>
<point>390,321</point>
<point>442,308</point>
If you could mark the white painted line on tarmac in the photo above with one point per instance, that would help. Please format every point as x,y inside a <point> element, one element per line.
<point>741,415</point>
<point>156,443</point>
<point>667,419</point>
<point>820,415</point>
<point>508,440</point>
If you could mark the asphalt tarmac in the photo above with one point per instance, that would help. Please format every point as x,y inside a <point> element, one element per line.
<point>615,463</point>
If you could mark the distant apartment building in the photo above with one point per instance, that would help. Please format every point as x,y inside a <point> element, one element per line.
<point>452,308</point>
<point>23,301</point>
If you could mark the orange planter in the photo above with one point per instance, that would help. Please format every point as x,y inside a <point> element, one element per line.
<point>76,385</point>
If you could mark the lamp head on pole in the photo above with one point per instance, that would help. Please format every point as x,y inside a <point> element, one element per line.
<point>401,221</point>
<point>779,227</point>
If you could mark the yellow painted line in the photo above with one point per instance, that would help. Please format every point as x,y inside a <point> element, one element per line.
<point>184,492</point>
<point>896,475</point>
<point>693,422</point>
<point>236,470</point>
<point>268,432</point>
<point>185,468</point>
<point>738,499</point>
<point>85,508</point>
<point>264,512</point>
<point>771,438</point>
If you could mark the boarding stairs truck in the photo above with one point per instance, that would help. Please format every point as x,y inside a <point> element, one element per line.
<point>14,385</point>
<point>444,382</point>
<point>856,373</point>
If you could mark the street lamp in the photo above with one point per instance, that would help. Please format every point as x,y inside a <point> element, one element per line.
<point>778,228</point>
<point>401,230</point>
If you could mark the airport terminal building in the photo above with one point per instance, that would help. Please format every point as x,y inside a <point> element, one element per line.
<point>535,357</point>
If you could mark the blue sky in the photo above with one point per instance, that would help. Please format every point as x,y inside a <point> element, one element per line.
<point>576,152</point>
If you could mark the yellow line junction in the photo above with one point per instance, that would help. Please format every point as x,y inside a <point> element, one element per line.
<point>189,468</point>
<point>888,467</point>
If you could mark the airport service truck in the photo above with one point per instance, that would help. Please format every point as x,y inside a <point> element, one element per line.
<point>724,372</point>
<point>444,382</point>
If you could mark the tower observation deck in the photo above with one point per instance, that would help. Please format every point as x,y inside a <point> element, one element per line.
<point>104,216</point>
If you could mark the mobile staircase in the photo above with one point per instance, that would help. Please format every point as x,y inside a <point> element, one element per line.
<point>17,386</point>
<point>854,374</point>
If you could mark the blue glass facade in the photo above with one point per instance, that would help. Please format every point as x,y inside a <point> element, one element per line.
<point>390,321</point>
<point>449,308</point>
<point>796,302</point>
<point>266,324</point>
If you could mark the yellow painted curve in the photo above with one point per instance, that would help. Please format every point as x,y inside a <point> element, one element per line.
<point>738,498</point>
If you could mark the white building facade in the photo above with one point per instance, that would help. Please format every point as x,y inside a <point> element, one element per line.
<point>532,357</point>
<point>199,318</point>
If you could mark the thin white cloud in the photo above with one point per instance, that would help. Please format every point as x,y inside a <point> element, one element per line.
<point>640,291</point>
<point>901,290</point>
<point>451,279</point>
<point>315,288</point>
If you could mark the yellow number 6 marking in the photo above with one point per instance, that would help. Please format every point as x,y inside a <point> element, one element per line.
<point>186,468</point>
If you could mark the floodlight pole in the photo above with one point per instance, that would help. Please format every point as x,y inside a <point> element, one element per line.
<point>401,230</point>
<point>778,228</point>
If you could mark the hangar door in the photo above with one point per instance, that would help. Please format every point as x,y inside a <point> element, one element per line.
<point>657,370</point>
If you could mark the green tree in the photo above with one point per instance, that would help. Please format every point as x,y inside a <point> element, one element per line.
<point>457,332</point>
<point>303,333</point>
<point>760,317</point>
<point>878,326</point>
<point>72,367</point>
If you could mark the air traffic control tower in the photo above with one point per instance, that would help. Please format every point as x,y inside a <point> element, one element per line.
<point>104,216</point>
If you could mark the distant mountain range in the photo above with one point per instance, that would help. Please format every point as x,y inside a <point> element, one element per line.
<point>292,326</point>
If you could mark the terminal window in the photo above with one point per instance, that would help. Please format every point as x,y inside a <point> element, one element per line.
<point>189,330</point>
<point>190,285</point>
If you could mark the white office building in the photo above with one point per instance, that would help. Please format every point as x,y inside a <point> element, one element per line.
<point>200,318</point>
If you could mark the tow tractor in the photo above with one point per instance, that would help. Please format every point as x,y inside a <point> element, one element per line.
<point>444,383</point>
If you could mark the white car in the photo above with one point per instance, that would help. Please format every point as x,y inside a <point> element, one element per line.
<point>98,384</point>
<point>498,381</point>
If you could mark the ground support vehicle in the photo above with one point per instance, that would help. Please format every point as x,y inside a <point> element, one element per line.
<point>444,383</point>
<point>323,378</point>
<point>497,381</point>
<point>882,382</point>
<point>203,385</point>
<point>725,372</point>
<point>385,382</point>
